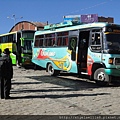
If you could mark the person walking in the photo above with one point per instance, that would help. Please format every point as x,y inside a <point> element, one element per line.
<point>8,73</point>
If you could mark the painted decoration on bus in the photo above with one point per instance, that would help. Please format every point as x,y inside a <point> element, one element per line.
<point>89,65</point>
<point>43,54</point>
<point>63,63</point>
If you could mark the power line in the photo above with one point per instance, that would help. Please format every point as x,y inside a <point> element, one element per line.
<point>91,6</point>
<point>76,11</point>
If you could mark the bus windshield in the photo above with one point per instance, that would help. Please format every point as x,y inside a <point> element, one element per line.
<point>28,34</point>
<point>112,43</point>
<point>27,46</point>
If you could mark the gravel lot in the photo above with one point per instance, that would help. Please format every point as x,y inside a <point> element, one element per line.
<point>34,92</point>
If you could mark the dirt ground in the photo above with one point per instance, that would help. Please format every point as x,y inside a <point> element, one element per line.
<point>34,92</point>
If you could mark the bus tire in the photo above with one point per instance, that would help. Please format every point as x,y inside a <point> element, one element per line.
<point>52,71</point>
<point>101,78</point>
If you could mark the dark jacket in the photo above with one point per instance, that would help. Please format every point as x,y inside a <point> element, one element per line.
<point>8,74</point>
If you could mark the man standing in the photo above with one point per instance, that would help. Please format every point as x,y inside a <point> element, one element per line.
<point>8,73</point>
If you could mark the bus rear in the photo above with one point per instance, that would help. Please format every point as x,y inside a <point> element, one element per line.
<point>8,40</point>
<point>20,46</point>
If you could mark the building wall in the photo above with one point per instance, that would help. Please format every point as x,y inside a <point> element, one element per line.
<point>26,25</point>
<point>104,19</point>
<point>23,26</point>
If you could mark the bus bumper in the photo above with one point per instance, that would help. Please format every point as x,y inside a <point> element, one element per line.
<point>113,72</point>
<point>27,63</point>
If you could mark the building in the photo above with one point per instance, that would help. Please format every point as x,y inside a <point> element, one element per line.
<point>104,19</point>
<point>26,25</point>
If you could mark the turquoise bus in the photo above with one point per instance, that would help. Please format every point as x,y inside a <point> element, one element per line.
<point>92,49</point>
<point>20,46</point>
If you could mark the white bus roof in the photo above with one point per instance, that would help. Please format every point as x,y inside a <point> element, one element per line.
<point>82,26</point>
<point>7,33</point>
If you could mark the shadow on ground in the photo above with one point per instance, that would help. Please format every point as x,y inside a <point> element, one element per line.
<point>60,84</point>
<point>58,96</point>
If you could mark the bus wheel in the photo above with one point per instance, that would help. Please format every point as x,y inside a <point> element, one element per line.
<point>101,78</point>
<point>51,70</point>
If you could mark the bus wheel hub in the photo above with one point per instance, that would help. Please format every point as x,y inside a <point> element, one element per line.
<point>101,76</point>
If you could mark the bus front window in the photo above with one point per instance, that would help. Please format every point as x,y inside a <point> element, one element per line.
<point>27,46</point>
<point>112,43</point>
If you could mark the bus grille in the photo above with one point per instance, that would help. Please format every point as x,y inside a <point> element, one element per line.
<point>117,61</point>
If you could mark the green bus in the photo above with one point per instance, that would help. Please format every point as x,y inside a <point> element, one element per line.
<point>20,46</point>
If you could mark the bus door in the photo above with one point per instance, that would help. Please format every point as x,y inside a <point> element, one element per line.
<point>95,49</point>
<point>73,39</point>
<point>82,51</point>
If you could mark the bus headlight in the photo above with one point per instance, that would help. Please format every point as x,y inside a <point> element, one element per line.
<point>111,60</point>
<point>117,61</point>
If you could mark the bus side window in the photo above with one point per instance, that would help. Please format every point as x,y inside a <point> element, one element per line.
<point>95,43</point>
<point>65,41</point>
<point>72,46</point>
<point>96,39</point>
<point>10,38</point>
<point>45,42</point>
<point>62,38</point>
<point>4,39</point>
<point>41,42</point>
<point>14,38</point>
<point>49,42</point>
<point>93,39</point>
<point>36,41</point>
<point>54,39</point>
<point>59,41</point>
<point>0,39</point>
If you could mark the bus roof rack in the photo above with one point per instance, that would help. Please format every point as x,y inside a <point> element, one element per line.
<point>60,25</point>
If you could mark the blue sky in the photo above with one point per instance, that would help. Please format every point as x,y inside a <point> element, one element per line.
<point>54,10</point>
